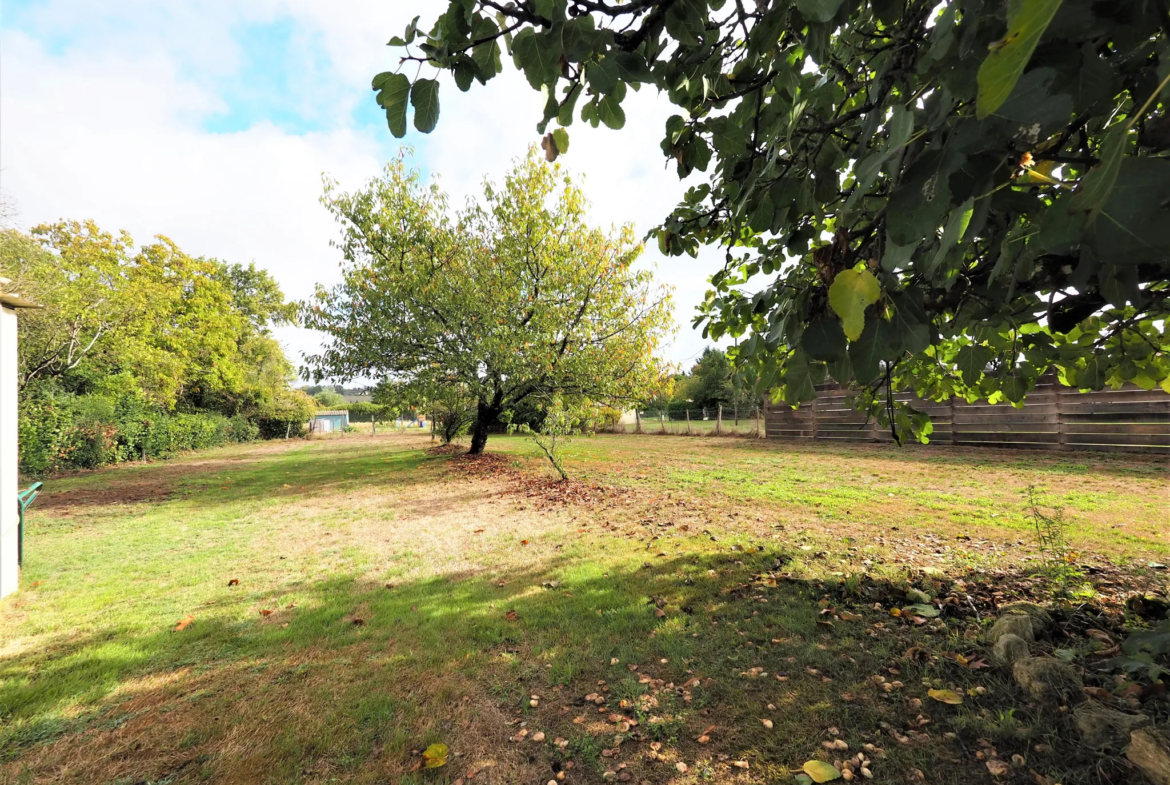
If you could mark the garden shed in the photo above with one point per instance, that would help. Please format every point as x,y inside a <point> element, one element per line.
<point>328,420</point>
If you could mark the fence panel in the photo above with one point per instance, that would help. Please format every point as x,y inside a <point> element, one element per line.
<point>1053,417</point>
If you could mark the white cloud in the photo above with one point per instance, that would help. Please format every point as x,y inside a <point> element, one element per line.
<point>105,107</point>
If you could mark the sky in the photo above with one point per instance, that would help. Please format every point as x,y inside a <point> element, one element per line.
<point>212,122</point>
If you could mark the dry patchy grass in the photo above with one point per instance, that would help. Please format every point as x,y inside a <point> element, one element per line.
<point>417,597</point>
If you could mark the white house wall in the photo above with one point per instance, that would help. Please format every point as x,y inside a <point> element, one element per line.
<point>9,516</point>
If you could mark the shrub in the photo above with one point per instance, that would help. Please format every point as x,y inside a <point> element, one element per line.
<point>286,414</point>
<point>241,429</point>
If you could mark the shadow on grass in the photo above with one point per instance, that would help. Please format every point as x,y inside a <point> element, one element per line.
<point>357,675</point>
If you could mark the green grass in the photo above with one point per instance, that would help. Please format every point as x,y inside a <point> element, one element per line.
<point>391,579</point>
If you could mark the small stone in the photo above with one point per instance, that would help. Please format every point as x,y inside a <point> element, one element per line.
<point>682,767</point>
<point>1018,624</point>
<point>537,737</point>
<point>1048,680</point>
<point>1009,648</point>
<point>1105,729</point>
<point>1149,750</point>
<point>1038,613</point>
<point>739,764</point>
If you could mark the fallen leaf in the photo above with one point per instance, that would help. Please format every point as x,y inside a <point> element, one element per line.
<point>929,611</point>
<point>1100,693</point>
<point>435,756</point>
<point>524,542</point>
<point>234,582</point>
<point>510,615</point>
<point>265,612</point>
<point>946,696</point>
<point>359,622</point>
<point>821,771</point>
<point>184,623</point>
<point>478,531</point>
<point>998,768</point>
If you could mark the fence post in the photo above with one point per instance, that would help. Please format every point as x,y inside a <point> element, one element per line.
<point>661,421</point>
<point>719,421</point>
<point>954,427</point>
<point>1061,436</point>
<point>688,411</point>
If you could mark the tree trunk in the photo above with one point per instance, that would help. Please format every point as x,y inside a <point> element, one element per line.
<point>487,414</point>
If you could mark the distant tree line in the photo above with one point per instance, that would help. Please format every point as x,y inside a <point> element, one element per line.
<point>141,352</point>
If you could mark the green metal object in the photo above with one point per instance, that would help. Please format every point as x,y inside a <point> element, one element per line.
<point>24,500</point>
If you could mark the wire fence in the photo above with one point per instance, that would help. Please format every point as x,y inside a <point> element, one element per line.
<point>711,421</point>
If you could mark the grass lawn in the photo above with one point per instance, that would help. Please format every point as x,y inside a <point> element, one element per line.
<point>723,603</point>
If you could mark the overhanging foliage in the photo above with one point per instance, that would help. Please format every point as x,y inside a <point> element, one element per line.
<point>952,202</point>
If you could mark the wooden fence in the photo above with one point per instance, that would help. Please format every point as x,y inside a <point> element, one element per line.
<point>1054,417</point>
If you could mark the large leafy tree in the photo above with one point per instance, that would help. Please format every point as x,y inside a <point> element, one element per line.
<point>185,332</point>
<point>953,197</point>
<point>513,298</point>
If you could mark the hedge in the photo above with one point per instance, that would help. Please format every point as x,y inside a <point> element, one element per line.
<point>67,433</point>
